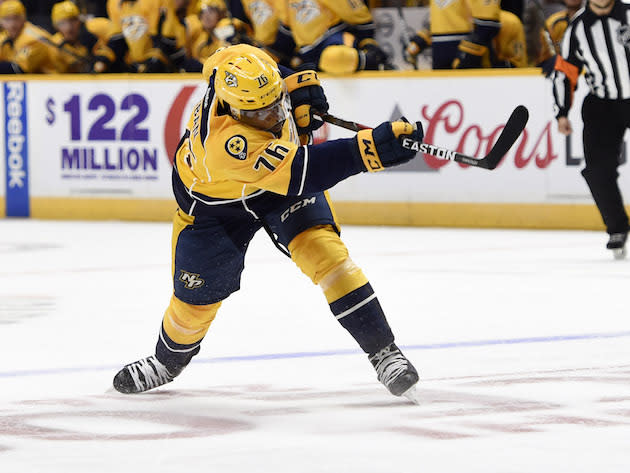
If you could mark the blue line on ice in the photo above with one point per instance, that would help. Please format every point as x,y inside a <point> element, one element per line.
<point>313,354</point>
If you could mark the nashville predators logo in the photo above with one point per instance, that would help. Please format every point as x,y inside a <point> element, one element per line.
<point>305,10</point>
<point>190,280</point>
<point>134,27</point>
<point>260,12</point>
<point>443,3</point>
<point>623,36</point>
<point>230,79</point>
<point>237,147</point>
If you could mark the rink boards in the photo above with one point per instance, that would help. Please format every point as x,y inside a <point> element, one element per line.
<point>90,147</point>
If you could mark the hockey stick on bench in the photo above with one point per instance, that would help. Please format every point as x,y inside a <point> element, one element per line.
<point>512,130</point>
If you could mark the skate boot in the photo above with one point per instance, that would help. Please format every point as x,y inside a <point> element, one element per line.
<point>396,372</point>
<point>144,374</point>
<point>617,243</point>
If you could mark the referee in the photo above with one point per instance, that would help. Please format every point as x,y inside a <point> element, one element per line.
<point>598,40</point>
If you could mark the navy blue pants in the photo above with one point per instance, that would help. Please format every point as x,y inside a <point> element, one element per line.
<point>210,252</point>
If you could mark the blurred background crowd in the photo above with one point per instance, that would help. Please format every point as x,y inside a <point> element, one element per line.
<point>336,36</point>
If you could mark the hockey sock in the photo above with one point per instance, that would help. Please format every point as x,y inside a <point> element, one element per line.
<point>320,254</point>
<point>183,327</point>
<point>360,313</point>
<point>174,355</point>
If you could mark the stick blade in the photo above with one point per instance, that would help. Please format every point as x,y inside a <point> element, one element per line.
<point>513,129</point>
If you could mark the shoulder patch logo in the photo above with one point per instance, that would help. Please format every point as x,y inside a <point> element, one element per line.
<point>237,147</point>
<point>260,12</point>
<point>442,4</point>
<point>305,10</point>
<point>623,35</point>
<point>230,79</point>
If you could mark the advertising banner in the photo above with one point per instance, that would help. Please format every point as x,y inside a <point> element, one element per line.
<point>466,114</point>
<point>106,139</point>
<point>107,142</point>
<point>16,147</point>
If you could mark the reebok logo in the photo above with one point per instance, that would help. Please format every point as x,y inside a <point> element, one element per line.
<point>16,149</point>
<point>15,135</point>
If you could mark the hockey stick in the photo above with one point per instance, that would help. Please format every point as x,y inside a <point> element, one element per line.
<point>510,133</point>
<point>405,36</point>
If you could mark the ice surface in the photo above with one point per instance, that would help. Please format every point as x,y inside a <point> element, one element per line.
<point>521,338</point>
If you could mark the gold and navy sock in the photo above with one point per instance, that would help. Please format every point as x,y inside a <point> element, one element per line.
<point>360,313</point>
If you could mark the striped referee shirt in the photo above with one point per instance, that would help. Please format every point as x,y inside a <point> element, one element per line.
<point>601,46</point>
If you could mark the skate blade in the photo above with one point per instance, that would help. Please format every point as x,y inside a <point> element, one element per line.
<point>619,253</point>
<point>412,394</point>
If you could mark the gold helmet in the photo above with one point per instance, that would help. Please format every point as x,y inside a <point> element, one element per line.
<point>248,82</point>
<point>12,8</point>
<point>64,10</point>
<point>253,89</point>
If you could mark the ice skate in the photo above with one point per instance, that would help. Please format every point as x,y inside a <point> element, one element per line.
<point>396,372</point>
<point>144,374</point>
<point>617,243</point>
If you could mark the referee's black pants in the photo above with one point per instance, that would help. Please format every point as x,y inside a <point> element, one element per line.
<point>605,122</point>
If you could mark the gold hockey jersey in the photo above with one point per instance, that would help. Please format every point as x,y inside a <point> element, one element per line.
<point>139,21</point>
<point>205,46</point>
<point>557,25</point>
<point>70,58</point>
<point>510,45</point>
<point>455,17</point>
<point>28,51</point>
<point>223,158</point>
<point>311,20</point>
<point>264,17</point>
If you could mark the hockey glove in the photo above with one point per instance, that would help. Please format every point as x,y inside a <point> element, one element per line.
<point>381,147</point>
<point>417,44</point>
<point>470,55</point>
<point>101,64</point>
<point>373,58</point>
<point>233,31</point>
<point>307,96</point>
<point>151,66</point>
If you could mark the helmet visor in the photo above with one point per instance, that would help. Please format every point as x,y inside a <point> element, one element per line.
<point>269,118</point>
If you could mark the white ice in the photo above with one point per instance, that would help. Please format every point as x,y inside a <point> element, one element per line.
<point>522,340</point>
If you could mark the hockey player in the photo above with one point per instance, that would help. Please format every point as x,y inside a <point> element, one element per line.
<point>147,36</point>
<point>256,22</point>
<point>508,47</point>
<point>556,25</point>
<point>461,33</point>
<point>336,36</point>
<point>206,43</point>
<point>79,48</point>
<point>22,47</point>
<point>260,15</point>
<point>239,168</point>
